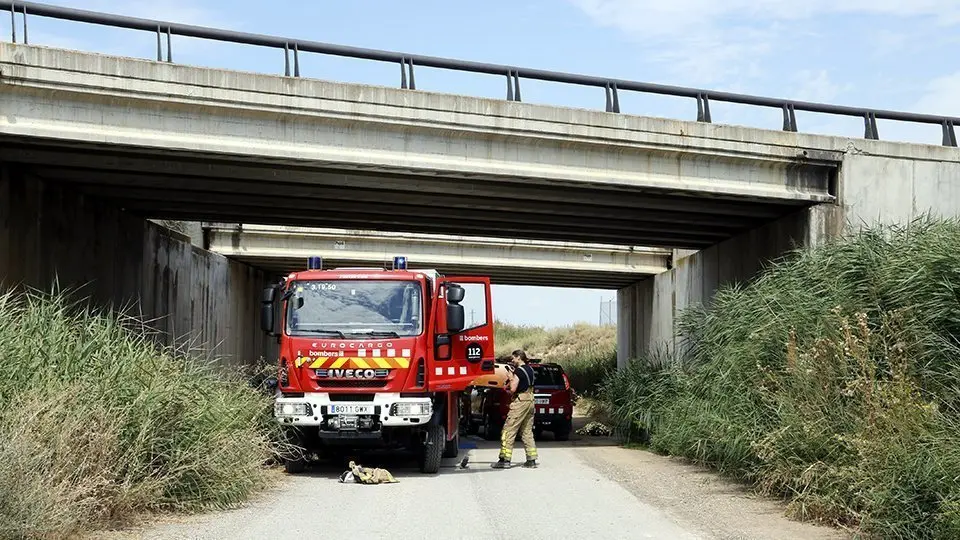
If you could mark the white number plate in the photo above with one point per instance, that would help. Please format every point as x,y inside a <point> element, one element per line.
<point>351,409</point>
<point>541,401</point>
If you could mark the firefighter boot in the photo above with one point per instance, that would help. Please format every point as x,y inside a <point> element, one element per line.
<point>501,464</point>
<point>530,464</point>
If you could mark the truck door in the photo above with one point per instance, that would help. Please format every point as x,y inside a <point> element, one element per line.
<point>461,355</point>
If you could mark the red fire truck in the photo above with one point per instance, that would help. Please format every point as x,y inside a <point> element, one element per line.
<point>377,357</point>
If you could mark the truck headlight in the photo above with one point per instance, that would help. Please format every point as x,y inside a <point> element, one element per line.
<point>413,409</point>
<point>291,409</point>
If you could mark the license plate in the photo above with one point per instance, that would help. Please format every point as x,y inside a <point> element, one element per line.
<point>351,409</point>
<point>541,401</point>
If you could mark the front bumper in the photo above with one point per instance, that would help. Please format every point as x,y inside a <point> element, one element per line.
<point>387,409</point>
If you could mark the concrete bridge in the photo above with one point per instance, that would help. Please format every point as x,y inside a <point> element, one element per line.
<point>91,146</point>
<point>506,261</point>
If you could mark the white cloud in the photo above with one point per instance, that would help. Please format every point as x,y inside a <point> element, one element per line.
<point>719,42</point>
<point>817,86</point>
<point>940,98</point>
<point>658,18</point>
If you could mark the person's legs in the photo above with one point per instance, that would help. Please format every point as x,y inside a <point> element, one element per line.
<point>509,433</point>
<point>526,434</point>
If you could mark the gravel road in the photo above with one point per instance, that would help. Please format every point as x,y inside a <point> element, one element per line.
<point>585,488</point>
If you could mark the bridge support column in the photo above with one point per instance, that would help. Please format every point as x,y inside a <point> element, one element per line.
<point>648,310</point>
<point>49,232</point>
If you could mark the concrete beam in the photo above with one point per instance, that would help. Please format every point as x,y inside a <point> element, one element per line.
<point>506,261</point>
<point>154,137</point>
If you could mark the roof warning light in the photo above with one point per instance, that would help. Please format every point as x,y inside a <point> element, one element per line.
<point>399,263</point>
<point>314,263</point>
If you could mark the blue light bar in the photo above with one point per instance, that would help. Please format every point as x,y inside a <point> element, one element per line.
<point>314,263</point>
<point>399,263</point>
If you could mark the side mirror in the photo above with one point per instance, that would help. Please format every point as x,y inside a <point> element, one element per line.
<point>455,293</point>
<point>267,323</point>
<point>455,318</point>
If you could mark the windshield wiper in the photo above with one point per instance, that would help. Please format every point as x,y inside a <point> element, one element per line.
<point>320,331</point>
<point>375,334</point>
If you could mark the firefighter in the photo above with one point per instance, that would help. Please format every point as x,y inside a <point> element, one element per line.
<point>520,417</point>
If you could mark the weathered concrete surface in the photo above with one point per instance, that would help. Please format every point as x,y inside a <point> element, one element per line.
<point>506,261</point>
<point>116,259</point>
<point>585,488</point>
<point>894,183</point>
<point>181,141</point>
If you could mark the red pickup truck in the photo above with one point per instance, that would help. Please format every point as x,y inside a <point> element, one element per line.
<point>487,408</point>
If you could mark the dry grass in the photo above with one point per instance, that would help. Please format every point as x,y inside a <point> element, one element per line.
<point>98,424</point>
<point>831,380</point>
<point>587,352</point>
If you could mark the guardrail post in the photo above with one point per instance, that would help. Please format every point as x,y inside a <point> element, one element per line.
<point>13,21</point>
<point>286,59</point>
<point>26,40</point>
<point>513,85</point>
<point>613,98</point>
<point>404,62</point>
<point>870,126</point>
<point>296,60</point>
<point>169,46</point>
<point>949,135</point>
<point>789,118</point>
<point>703,108</point>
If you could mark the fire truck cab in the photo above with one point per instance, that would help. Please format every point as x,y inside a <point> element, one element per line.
<point>376,357</point>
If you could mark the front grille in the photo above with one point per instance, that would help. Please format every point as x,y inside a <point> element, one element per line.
<point>351,397</point>
<point>352,384</point>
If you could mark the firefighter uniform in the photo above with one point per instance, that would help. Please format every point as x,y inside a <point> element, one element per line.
<point>519,419</point>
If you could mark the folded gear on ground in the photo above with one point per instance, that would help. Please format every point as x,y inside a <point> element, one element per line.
<point>366,475</point>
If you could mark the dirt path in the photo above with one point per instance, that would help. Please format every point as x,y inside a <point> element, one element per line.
<point>587,487</point>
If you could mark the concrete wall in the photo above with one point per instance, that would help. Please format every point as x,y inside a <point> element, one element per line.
<point>874,188</point>
<point>120,260</point>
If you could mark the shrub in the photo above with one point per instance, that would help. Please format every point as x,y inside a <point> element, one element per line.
<point>830,380</point>
<point>98,423</point>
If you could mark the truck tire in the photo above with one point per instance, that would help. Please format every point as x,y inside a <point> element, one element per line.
<point>451,449</point>
<point>562,433</point>
<point>432,451</point>
<point>472,427</point>
<point>294,466</point>
<point>491,431</point>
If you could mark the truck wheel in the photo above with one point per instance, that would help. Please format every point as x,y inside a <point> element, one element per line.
<point>491,431</point>
<point>294,466</point>
<point>451,449</point>
<point>432,451</point>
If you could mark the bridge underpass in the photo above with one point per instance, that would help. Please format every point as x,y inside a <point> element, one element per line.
<point>281,250</point>
<point>107,141</point>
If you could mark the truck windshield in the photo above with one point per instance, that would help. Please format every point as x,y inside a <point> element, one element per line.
<point>355,308</point>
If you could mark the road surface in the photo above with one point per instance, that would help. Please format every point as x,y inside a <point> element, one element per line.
<point>585,488</point>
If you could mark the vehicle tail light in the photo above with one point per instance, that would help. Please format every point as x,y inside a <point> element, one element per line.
<point>566,382</point>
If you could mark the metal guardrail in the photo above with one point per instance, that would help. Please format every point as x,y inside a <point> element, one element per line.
<point>513,75</point>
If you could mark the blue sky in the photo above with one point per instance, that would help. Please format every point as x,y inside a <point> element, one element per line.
<point>893,54</point>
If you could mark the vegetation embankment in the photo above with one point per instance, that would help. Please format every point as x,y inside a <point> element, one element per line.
<point>99,425</point>
<point>586,352</point>
<point>831,380</point>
